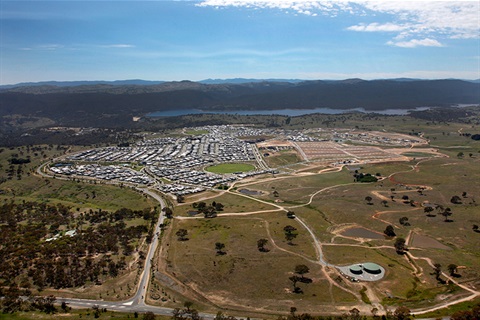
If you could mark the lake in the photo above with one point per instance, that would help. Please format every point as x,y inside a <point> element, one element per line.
<point>283,112</point>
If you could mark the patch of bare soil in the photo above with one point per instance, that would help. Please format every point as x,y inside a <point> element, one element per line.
<point>421,241</point>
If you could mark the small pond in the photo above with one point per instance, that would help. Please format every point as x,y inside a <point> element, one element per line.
<point>250,192</point>
<point>359,232</point>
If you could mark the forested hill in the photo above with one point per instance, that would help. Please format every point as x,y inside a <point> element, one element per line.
<point>83,103</point>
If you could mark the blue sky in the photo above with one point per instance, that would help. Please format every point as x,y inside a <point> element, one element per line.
<point>195,40</point>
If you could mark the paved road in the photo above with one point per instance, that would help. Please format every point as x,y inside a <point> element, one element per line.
<point>141,294</point>
<point>123,306</point>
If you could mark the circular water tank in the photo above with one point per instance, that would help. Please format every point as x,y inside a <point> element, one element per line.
<point>356,269</point>
<point>372,268</point>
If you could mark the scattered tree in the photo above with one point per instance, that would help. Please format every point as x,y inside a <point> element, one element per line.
<point>182,234</point>
<point>219,247</point>
<point>294,280</point>
<point>261,245</point>
<point>149,315</point>
<point>428,210</point>
<point>187,305</point>
<point>389,231</point>
<point>168,212</point>
<point>400,245</point>
<point>301,269</point>
<point>452,268</point>
<point>180,198</point>
<point>456,200</point>
<point>404,221</point>
<point>369,200</point>
<point>289,233</point>
<point>402,313</point>
<point>354,314</point>
<point>437,270</point>
<point>447,213</point>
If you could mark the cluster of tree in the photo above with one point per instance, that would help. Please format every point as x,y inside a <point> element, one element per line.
<point>94,252</point>
<point>300,271</point>
<point>404,221</point>
<point>472,314</point>
<point>15,299</point>
<point>452,270</point>
<point>70,137</point>
<point>182,234</point>
<point>365,177</point>
<point>261,243</point>
<point>290,233</point>
<point>168,212</point>
<point>15,160</point>
<point>186,313</point>
<point>209,211</point>
<point>446,212</point>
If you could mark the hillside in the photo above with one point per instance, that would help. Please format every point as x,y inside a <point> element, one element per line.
<point>100,104</point>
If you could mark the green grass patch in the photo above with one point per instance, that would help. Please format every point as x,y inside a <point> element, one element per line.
<point>226,168</point>
<point>363,293</point>
<point>196,132</point>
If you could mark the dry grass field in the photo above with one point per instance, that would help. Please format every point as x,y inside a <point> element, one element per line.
<point>329,202</point>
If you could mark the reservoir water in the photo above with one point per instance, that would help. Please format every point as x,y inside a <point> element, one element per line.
<point>283,112</point>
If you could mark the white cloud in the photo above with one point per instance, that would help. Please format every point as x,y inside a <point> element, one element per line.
<point>416,43</point>
<point>121,46</point>
<point>410,19</point>
<point>306,7</point>
<point>451,19</point>
<point>375,27</point>
<point>50,47</point>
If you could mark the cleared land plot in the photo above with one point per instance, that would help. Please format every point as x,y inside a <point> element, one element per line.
<point>331,151</point>
<point>282,158</point>
<point>420,241</point>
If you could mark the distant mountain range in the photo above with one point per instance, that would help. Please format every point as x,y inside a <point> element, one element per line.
<point>99,103</point>
<point>139,82</point>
